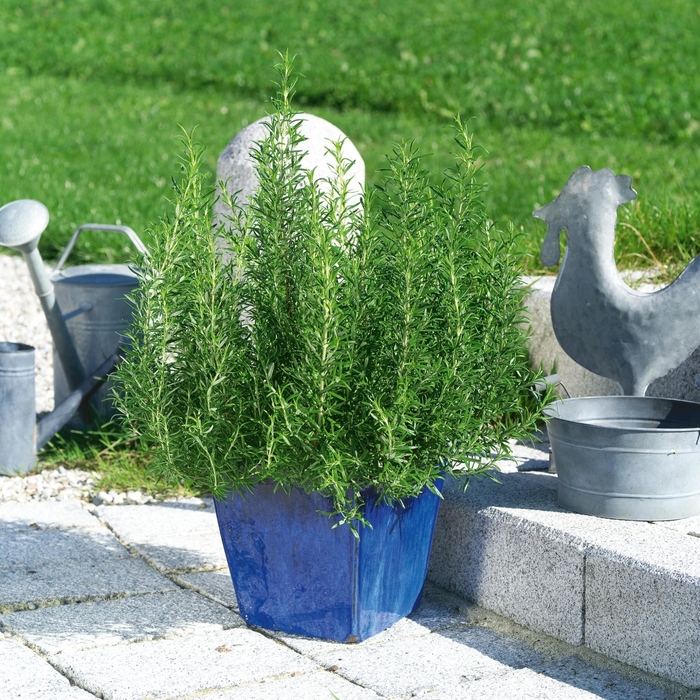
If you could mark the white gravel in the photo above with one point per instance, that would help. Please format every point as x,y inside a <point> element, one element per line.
<point>22,321</point>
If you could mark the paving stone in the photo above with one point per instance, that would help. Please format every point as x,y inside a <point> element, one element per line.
<point>215,584</point>
<point>53,514</point>
<point>688,526</point>
<point>73,581</point>
<point>159,615</point>
<point>411,665</point>
<point>645,615</point>
<point>526,684</point>
<point>598,682</point>
<point>172,668</point>
<point>441,610</point>
<point>527,458</point>
<point>533,497</point>
<point>310,647</point>
<point>27,676</point>
<point>314,686</point>
<point>511,548</point>
<point>172,537</point>
<point>33,546</point>
<point>496,646</point>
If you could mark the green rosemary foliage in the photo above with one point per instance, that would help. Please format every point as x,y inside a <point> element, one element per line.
<point>344,346</point>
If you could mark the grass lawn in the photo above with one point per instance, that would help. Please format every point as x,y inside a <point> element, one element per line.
<point>93,91</point>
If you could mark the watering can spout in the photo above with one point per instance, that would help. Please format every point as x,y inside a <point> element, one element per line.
<point>21,224</point>
<point>51,423</point>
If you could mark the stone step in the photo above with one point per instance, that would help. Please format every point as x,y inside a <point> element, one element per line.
<point>628,590</point>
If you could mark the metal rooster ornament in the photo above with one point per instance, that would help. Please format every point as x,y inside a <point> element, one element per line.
<point>604,325</point>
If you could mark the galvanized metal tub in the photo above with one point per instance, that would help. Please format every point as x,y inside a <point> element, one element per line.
<point>627,457</point>
<point>97,314</point>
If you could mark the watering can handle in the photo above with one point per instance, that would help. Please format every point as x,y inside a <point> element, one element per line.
<point>100,227</point>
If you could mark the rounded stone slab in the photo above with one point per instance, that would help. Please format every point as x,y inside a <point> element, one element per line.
<point>237,168</point>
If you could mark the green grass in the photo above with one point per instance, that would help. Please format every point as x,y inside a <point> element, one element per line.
<point>121,465</point>
<point>92,92</point>
<point>601,67</point>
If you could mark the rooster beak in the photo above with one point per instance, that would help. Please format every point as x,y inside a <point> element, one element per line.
<point>624,185</point>
<point>549,253</point>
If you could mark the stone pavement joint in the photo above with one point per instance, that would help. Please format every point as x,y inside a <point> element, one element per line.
<point>179,636</point>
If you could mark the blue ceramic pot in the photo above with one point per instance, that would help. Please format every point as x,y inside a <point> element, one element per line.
<point>292,572</point>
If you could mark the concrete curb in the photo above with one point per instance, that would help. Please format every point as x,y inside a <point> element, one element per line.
<point>628,590</point>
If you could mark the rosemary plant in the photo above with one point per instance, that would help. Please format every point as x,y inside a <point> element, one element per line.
<point>336,347</point>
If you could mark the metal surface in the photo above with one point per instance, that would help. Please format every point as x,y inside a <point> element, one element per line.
<point>21,224</point>
<point>97,313</point>
<point>293,572</point>
<point>17,397</point>
<point>21,436</point>
<point>600,322</point>
<point>50,424</point>
<point>627,457</point>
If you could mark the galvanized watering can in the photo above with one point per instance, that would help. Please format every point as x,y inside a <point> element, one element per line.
<point>96,313</point>
<point>21,435</point>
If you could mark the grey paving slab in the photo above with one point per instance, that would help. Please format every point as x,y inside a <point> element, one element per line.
<point>55,514</point>
<point>644,615</point>
<point>508,563</point>
<point>172,537</point>
<point>215,584</point>
<point>74,581</point>
<point>411,665</point>
<point>496,646</point>
<point>533,497</point>
<point>688,526</point>
<point>314,686</point>
<point>511,548</point>
<point>159,615</point>
<point>181,667</point>
<point>441,610</point>
<point>310,647</point>
<point>24,674</point>
<point>32,546</point>
<point>580,676</point>
<point>526,684</point>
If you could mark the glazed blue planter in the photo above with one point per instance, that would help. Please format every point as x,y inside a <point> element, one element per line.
<point>292,572</point>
